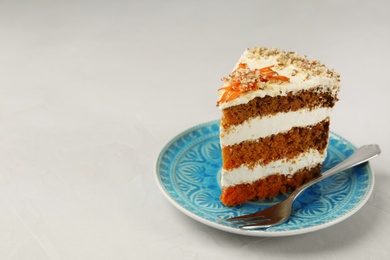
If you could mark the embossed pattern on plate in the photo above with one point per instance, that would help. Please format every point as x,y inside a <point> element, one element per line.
<point>188,172</point>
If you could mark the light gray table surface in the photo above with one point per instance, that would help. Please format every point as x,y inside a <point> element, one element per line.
<point>91,91</point>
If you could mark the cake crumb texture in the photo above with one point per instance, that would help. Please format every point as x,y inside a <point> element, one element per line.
<point>275,147</point>
<point>267,105</point>
<point>267,187</point>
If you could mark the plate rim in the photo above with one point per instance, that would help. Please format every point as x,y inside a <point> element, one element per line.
<point>255,233</point>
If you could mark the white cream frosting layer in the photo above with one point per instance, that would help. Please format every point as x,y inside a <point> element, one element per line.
<point>298,81</point>
<point>260,127</point>
<point>245,175</point>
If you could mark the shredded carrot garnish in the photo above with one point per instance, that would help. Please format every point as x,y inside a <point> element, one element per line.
<point>243,80</point>
<point>242,66</point>
<point>282,78</point>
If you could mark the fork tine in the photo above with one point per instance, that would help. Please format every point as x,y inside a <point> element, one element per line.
<point>247,217</point>
<point>266,223</point>
<point>261,225</point>
<point>244,219</point>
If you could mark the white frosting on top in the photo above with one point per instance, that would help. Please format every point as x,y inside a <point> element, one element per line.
<point>301,77</point>
<point>245,175</point>
<point>260,127</point>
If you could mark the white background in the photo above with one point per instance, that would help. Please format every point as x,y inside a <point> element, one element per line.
<point>90,92</point>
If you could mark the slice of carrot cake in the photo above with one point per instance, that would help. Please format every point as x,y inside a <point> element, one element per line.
<point>275,123</point>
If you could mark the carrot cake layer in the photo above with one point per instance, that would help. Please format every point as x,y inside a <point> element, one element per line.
<point>267,105</point>
<point>285,145</point>
<point>267,187</point>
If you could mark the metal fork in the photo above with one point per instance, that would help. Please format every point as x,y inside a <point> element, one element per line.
<point>279,213</point>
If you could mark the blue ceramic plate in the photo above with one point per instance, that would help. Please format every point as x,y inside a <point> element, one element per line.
<point>188,173</point>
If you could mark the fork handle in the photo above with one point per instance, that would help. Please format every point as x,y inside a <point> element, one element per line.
<point>361,155</point>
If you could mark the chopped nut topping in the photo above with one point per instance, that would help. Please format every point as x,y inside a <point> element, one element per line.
<point>243,79</point>
<point>284,59</point>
